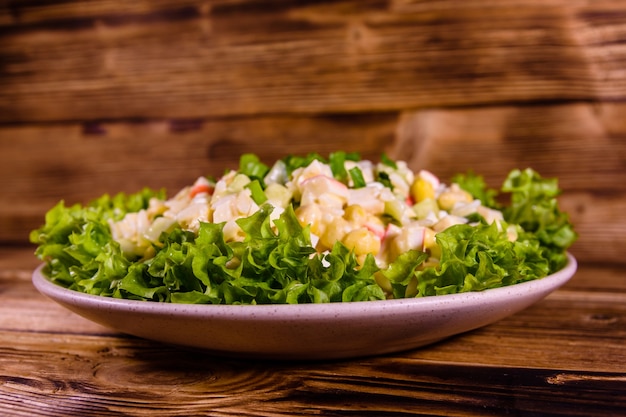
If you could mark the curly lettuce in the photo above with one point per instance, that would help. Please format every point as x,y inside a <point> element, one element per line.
<point>533,206</point>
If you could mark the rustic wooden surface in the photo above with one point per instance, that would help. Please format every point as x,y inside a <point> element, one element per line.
<point>101,96</point>
<point>564,356</point>
<point>189,59</point>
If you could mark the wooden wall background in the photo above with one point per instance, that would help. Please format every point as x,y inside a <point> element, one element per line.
<point>107,95</point>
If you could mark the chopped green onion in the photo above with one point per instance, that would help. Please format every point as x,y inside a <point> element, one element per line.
<point>388,161</point>
<point>383,178</point>
<point>357,177</point>
<point>337,162</point>
<point>293,162</point>
<point>258,195</point>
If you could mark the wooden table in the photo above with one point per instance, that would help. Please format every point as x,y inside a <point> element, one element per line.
<point>100,96</point>
<point>562,356</point>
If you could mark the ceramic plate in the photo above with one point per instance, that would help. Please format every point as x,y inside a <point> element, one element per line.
<point>308,331</point>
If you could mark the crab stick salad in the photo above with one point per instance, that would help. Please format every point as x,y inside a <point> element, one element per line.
<point>309,229</point>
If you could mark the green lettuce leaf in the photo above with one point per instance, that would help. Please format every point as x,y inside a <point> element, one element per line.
<point>535,208</point>
<point>476,258</point>
<point>77,246</point>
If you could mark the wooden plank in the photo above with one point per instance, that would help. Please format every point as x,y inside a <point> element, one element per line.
<point>546,333</point>
<point>239,58</point>
<point>17,261</point>
<point>581,143</point>
<point>76,375</point>
<point>37,13</point>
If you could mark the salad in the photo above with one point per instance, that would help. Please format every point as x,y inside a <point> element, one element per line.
<point>309,229</point>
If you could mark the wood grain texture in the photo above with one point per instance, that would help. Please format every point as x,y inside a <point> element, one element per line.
<point>102,96</point>
<point>562,357</point>
<point>62,62</point>
<point>136,378</point>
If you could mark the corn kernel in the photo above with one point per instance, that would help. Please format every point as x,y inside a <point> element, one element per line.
<point>334,232</point>
<point>453,195</point>
<point>362,241</point>
<point>422,189</point>
<point>311,215</point>
<point>356,214</point>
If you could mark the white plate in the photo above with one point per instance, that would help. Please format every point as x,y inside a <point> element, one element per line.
<point>307,331</point>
